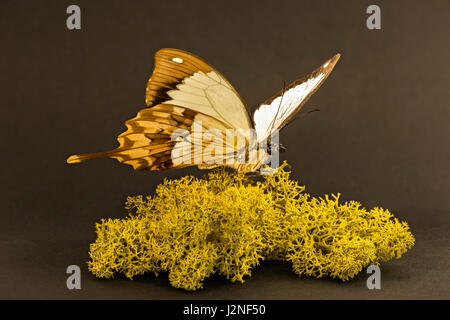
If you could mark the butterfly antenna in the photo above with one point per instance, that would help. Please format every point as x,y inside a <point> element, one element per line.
<point>303,115</point>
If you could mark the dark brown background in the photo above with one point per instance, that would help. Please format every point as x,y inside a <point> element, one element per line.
<point>382,136</point>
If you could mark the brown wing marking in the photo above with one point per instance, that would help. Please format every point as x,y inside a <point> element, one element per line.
<point>168,73</point>
<point>147,144</point>
<point>324,70</point>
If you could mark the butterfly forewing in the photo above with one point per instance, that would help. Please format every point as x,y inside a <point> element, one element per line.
<point>183,95</point>
<point>276,112</point>
<point>184,80</point>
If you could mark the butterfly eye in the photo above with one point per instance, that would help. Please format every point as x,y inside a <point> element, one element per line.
<point>275,147</point>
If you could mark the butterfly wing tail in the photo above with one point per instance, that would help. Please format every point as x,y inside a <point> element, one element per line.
<point>155,132</point>
<point>77,158</point>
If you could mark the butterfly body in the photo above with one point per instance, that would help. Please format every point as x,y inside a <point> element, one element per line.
<point>194,116</point>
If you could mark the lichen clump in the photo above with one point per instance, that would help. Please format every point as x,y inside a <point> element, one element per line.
<point>225,223</point>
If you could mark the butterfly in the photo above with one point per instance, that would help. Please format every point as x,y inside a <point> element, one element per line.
<point>194,116</point>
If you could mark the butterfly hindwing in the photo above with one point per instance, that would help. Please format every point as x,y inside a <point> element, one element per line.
<point>162,137</point>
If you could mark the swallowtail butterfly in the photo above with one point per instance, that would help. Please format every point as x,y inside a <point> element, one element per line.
<point>191,110</point>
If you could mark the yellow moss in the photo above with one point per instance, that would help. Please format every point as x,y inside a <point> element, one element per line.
<point>225,223</point>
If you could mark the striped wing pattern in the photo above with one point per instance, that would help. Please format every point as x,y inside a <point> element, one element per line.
<point>148,143</point>
<point>182,79</point>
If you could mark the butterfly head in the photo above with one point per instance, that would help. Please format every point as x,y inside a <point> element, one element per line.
<point>275,147</point>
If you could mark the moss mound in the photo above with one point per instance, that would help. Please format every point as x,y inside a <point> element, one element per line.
<point>226,223</point>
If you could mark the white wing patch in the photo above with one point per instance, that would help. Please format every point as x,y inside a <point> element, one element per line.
<point>276,112</point>
<point>211,94</point>
<point>177,60</point>
<point>272,116</point>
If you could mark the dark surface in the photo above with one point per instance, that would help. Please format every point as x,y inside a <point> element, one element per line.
<point>382,136</point>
